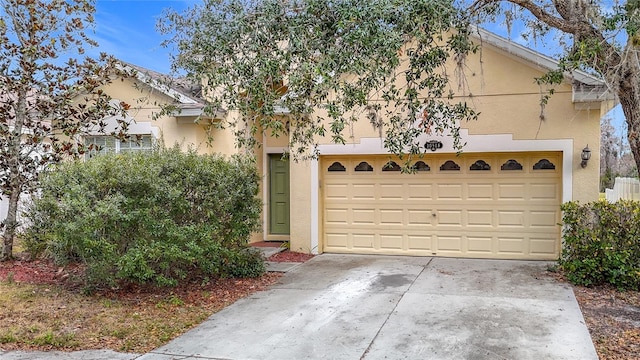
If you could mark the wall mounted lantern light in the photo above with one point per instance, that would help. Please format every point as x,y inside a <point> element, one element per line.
<point>585,156</point>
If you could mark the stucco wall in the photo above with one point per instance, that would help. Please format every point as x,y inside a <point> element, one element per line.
<point>170,130</point>
<point>502,88</point>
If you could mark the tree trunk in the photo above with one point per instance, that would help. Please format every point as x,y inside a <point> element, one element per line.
<point>11,221</point>
<point>629,97</point>
<point>10,225</point>
<point>15,178</point>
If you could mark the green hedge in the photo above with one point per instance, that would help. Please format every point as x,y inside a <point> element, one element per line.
<point>602,243</point>
<point>156,217</point>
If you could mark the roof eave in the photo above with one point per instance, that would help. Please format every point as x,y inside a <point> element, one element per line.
<point>535,57</point>
<point>163,88</point>
<point>198,111</point>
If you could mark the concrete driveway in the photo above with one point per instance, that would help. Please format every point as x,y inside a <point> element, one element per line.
<point>383,307</point>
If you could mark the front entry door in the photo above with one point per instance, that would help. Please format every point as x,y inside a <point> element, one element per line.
<point>278,195</point>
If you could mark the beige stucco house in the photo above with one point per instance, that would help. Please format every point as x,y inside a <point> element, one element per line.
<point>147,93</point>
<point>500,198</point>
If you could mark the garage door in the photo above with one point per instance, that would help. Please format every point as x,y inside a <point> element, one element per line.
<point>503,206</point>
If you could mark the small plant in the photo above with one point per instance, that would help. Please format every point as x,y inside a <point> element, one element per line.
<point>10,278</point>
<point>49,338</point>
<point>172,300</point>
<point>128,346</point>
<point>7,338</point>
<point>246,263</point>
<point>107,303</point>
<point>120,333</point>
<point>33,329</point>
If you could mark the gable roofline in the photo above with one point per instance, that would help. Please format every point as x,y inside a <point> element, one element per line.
<point>185,93</point>
<point>533,56</point>
<point>159,82</point>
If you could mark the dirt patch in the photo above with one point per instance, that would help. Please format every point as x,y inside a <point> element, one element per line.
<point>290,256</point>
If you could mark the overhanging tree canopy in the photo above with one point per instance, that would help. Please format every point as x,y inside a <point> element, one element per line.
<point>600,36</point>
<point>326,62</point>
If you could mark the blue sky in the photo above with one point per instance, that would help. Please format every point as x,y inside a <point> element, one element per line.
<point>126,29</point>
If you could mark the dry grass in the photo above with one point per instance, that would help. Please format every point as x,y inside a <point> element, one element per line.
<point>46,317</point>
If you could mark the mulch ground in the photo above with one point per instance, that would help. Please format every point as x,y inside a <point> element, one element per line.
<point>289,256</point>
<point>42,272</point>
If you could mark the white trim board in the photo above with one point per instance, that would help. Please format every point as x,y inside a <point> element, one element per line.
<point>474,143</point>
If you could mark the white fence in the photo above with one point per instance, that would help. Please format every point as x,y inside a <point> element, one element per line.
<point>624,189</point>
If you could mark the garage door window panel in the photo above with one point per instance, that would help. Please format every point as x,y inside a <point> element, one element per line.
<point>364,166</point>
<point>544,164</point>
<point>337,167</point>
<point>480,165</point>
<point>511,165</point>
<point>421,166</point>
<point>391,166</point>
<point>449,165</point>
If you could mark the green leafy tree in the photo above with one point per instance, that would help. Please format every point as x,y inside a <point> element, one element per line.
<point>327,63</point>
<point>599,36</point>
<point>49,93</point>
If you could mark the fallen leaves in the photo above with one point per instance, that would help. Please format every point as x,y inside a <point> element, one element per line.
<point>613,319</point>
<point>41,308</point>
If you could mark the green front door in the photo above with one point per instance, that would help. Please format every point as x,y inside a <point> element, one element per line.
<point>278,195</point>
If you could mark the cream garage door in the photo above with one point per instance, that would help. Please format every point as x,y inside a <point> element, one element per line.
<point>503,205</point>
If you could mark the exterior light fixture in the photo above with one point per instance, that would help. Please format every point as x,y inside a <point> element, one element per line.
<point>585,156</point>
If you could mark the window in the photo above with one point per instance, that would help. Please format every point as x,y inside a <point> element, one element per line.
<point>480,165</point>
<point>364,166</point>
<point>449,165</point>
<point>511,165</point>
<point>336,166</point>
<point>544,164</point>
<point>391,166</point>
<point>421,166</point>
<point>108,144</point>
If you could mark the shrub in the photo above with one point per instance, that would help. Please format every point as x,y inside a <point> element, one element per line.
<point>246,263</point>
<point>601,243</point>
<point>156,217</point>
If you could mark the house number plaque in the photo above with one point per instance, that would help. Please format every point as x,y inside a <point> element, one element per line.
<point>433,145</point>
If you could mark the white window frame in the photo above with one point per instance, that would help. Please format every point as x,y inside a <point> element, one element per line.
<point>119,146</point>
